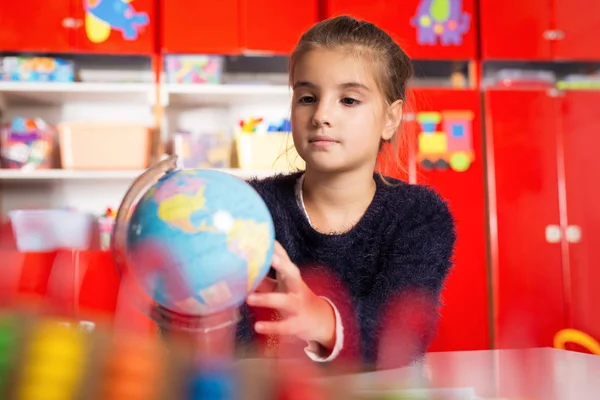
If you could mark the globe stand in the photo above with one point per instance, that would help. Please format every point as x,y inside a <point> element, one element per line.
<point>208,338</point>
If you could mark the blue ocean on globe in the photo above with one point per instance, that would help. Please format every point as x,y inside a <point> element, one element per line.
<point>199,241</point>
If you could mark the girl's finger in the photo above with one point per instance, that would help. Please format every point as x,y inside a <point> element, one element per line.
<point>285,327</point>
<point>287,270</point>
<point>279,301</point>
<point>266,285</point>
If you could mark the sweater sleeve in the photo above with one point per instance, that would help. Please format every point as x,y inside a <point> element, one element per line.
<point>398,318</point>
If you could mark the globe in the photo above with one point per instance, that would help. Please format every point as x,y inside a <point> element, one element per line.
<point>199,241</point>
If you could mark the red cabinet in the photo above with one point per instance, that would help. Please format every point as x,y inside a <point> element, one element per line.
<point>577,25</point>
<point>539,30</point>
<point>527,267</point>
<point>544,228</point>
<point>465,314</point>
<point>191,26</point>
<point>234,26</point>
<point>424,29</point>
<point>274,26</point>
<point>35,25</point>
<point>92,26</point>
<point>515,29</point>
<point>579,123</point>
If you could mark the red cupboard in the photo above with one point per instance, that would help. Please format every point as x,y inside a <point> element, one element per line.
<point>539,30</point>
<point>234,26</point>
<point>74,26</point>
<point>433,114</point>
<point>545,227</point>
<point>423,30</point>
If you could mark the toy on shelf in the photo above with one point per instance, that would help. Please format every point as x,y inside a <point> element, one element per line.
<point>36,69</point>
<point>194,68</point>
<point>105,227</point>
<point>250,125</point>
<point>27,144</point>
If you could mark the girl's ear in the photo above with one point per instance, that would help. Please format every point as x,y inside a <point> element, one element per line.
<point>394,118</point>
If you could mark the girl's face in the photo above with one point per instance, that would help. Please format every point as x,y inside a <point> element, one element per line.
<point>339,115</point>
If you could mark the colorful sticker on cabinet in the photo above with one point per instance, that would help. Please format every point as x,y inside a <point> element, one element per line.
<point>448,147</point>
<point>441,19</point>
<point>104,15</point>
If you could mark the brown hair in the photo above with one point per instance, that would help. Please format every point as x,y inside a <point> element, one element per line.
<point>391,66</point>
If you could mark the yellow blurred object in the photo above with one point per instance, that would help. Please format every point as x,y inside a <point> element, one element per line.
<point>54,362</point>
<point>577,337</point>
<point>269,151</point>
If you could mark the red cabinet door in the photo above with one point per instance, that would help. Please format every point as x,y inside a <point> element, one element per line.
<point>115,26</point>
<point>467,284</point>
<point>526,250</point>
<point>36,26</point>
<point>514,29</point>
<point>424,32</point>
<point>200,27</point>
<point>579,124</point>
<point>273,26</point>
<point>579,27</point>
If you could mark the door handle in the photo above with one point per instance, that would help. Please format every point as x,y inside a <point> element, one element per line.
<point>71,23</point>
<point>573,234</point>
<point>553,234</point>
<point>554,34</point>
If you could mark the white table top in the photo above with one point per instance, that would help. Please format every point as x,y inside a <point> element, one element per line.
<point>527,374</point>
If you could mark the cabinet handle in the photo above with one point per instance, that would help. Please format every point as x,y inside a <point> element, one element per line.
<point>560,35</point>
<point>573,234</point>
<point>71,23</point>
<point>553,234</point>
<point>554,34</point>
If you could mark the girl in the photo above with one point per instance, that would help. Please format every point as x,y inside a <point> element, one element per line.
<point>389,244</point>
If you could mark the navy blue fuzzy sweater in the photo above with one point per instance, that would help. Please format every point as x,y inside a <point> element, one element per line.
<point>385,274</point>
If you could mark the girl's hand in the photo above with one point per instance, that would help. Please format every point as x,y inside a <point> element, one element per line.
<point>305,315</point>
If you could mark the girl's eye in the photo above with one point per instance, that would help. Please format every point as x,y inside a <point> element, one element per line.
<point>306,100</point>
<point>348,101</point>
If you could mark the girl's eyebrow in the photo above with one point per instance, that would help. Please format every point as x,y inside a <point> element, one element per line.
<point>346,85</point>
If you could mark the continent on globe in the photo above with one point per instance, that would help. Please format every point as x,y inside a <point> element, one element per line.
<point>246,239</point>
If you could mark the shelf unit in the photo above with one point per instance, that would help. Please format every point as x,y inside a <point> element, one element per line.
<point>53,93</point>
<point>7,175</point>
<point>219,95</point>
<point>108,96</point>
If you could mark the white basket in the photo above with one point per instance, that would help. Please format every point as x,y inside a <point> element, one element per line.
<point>47,230</point>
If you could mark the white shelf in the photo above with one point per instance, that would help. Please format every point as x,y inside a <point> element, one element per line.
<point>213,94</point>
<point>51,93</point>
<point>74,175</point>
<point>36,93</point>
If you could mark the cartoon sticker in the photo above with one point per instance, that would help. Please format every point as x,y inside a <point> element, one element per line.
<point>450,147</point>
<point>443,19</point>
<point>104,15</point>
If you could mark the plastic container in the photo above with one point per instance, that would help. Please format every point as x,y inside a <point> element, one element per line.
<point>90,145</point>
<point>203,151</point>
<point>268,151</point>
<point>194,69</point>
<point>27,144</point>
<point>47,230</point>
